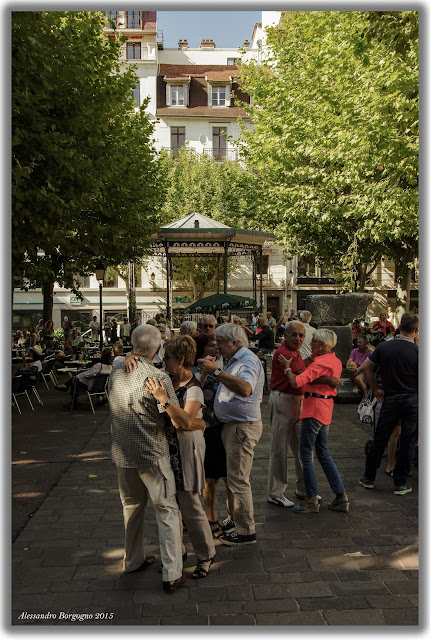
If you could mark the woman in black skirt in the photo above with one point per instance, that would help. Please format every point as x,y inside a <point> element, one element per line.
<point>215,459</point>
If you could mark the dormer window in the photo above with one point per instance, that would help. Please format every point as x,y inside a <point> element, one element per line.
<point>219,93</point>
<point>177,92</point>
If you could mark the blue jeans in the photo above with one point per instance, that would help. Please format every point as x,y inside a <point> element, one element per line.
<point>404,408</point>
<point>315,434</point>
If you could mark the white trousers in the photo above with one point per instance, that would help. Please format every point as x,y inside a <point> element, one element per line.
<point>197,524</point>
<point>134,486</point>
<point>285,410</point>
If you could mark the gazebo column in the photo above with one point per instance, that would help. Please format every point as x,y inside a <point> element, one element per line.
<point>254,275</point>
<point>261,278</point>
<point>225,265</point>
<point>168,281</point>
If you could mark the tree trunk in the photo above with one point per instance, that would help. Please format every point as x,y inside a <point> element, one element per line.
<point>48,300</point>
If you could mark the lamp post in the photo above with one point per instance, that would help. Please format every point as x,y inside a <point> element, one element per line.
<point>100,275</point>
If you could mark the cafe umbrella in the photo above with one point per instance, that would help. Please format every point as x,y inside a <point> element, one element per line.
<point>220,302</point>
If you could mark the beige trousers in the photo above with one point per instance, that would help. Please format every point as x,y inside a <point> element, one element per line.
<point>240,439</point>
<point>285,410</point>
<point>134,486</point>
<point>197,524</point>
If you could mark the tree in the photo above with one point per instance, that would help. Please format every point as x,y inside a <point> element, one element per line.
<point>335,138</point>
<point>223,191</point>
<point>85,181</point>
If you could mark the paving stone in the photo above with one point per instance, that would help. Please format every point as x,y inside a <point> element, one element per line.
<point>185,620</point>
<point>309,590</point>
<point>238,592</point>
<point>146,596</point>
<point>270,591</point>
<point>355,617</point>
<point>306,618</point>
<point>359,588</point>
<point>352,602</point>
<point>270,606</point>
<point>234,620</point>
<point>388,602</point>
<point>403,586</point>
<point>318,604</point>
<point>348,576</point>
<point>211,594</point>
<point>401,617</point>
<point>210,608</point>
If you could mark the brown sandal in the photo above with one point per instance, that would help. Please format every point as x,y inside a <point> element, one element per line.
<point>145,564</point>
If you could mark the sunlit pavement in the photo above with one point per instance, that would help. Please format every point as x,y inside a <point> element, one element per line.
<point>329,568</point>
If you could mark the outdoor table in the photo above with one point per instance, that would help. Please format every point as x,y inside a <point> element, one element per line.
<point>70,370</point>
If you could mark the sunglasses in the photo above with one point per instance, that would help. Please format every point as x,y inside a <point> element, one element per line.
<point>170,355</point>
<point>208,325</point>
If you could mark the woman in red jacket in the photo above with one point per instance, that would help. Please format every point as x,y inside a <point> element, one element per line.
<point>316,417</point>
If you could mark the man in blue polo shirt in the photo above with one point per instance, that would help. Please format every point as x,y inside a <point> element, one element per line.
<point>398,363</point>
<point>237,405</point>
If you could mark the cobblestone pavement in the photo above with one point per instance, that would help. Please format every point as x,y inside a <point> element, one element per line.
<point>330,568</point>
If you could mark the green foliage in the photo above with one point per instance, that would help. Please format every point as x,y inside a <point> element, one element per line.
<point>224,191</point>
<point>85,181</point>
<point>335,138</point>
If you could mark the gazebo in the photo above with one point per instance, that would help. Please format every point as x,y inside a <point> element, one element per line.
<point>197,235</point>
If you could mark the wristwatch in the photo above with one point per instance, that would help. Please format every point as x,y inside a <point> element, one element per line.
<point>217,372</point>
<point>166,405</point>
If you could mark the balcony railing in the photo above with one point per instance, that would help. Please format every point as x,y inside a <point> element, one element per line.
<point>221,155</point>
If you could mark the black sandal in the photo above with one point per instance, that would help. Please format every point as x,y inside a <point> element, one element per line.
<point>217,532</point>
<point>199,572</point>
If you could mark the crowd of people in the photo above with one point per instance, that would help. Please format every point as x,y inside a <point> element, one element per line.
<point>185,412</point>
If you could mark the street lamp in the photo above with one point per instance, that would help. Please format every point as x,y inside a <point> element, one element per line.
<point>100,275</point>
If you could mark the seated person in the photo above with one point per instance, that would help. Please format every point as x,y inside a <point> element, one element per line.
<point>84,381</point>
<point>35,367</point>
<point>266,338</point>
<point>355,360</point>
<point>61,357</point>
<point>77,340</point>
<point>118,353</point>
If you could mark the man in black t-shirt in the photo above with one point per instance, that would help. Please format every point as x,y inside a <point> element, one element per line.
<point>266,337</point>
<point>397,360</point>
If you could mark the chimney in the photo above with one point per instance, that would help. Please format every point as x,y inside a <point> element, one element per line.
<point>182,44</point>
<point>207,44</point>
<point>246,44</point>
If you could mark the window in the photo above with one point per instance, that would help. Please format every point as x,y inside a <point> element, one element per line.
<point>177,139</point>
<point>177,95</point>
<point>218,96</point>
<point>111,18</point>
<point>219,142</point>
<point>133,19</point>
<point>233,60</point>
<point>133,51</point>
<point>136,95</point>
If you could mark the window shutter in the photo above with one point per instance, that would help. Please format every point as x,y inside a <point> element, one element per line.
<point>209,86</point>
<point>168,95</point>
<point>227,95</point>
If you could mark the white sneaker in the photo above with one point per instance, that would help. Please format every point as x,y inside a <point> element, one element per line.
<point>281,502</point>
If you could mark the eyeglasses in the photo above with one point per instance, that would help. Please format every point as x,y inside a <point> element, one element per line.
<point>208,325</point>
<point>297,335</point>
<point>170,355</point>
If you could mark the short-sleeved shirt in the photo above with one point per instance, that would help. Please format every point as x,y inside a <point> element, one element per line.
<point>398,365</point>
<point>359,356</point>
<point>319,408</point>
<point>230,406</point>
<point>278,379</point>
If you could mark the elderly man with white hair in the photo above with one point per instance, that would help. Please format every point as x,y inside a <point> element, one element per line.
<point>237,406</point>
<point>140,451</point>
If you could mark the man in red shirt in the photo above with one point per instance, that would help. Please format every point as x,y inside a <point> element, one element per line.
<point>285,408</point>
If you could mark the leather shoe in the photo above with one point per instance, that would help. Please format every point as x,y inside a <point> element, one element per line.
<point>170,587</point>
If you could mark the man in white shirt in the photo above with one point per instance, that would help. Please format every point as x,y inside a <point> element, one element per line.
<point>237,406</point>
<point>305,349</point>
<point>95,329</point>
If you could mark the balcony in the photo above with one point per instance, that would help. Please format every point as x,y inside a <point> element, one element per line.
<point>221,155</point>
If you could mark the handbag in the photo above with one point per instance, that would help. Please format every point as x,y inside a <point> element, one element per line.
<point>365,411</point>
